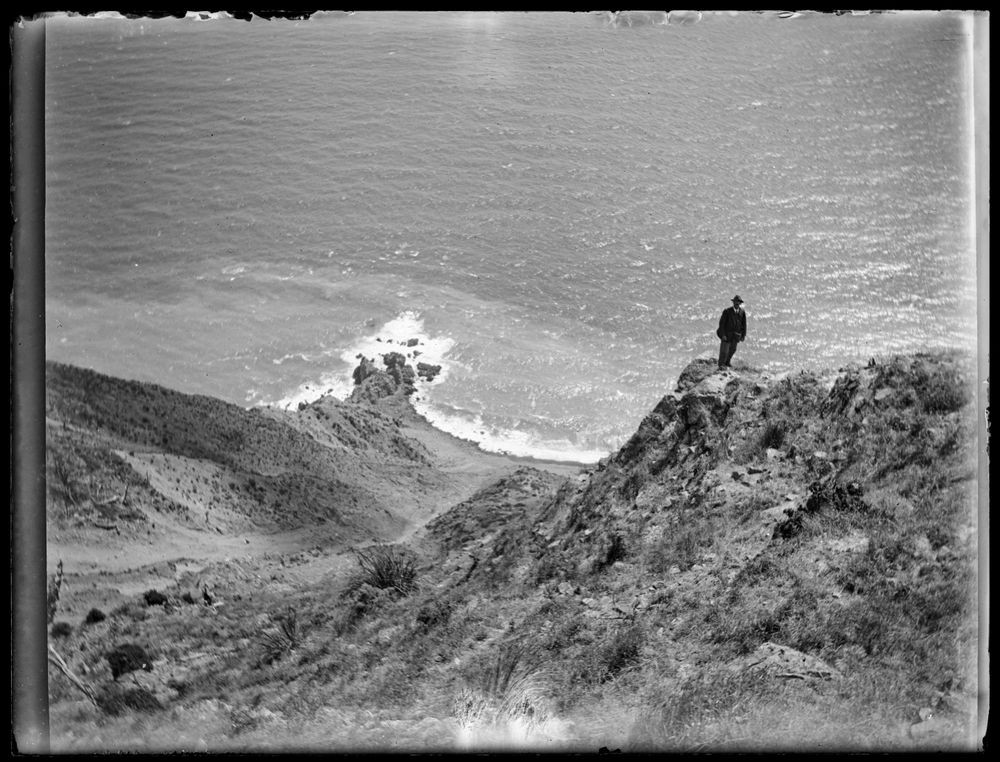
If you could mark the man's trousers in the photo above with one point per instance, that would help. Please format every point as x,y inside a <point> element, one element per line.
<point>726,351</point>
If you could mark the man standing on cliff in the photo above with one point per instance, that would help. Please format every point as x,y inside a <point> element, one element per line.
<point>732,330</point>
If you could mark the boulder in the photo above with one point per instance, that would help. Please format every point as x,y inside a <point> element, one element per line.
<point>783,661</point>
<point>695,372</point>
<point>427,371</point>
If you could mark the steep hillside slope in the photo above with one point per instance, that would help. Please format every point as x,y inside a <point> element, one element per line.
<point>209,463</point>
<point>144,482</point>
<point>770,562</point>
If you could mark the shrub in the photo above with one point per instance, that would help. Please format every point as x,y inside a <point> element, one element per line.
<point>94,616</point>
<point>388,567</point>
<point>154,598</point>
<point>61,630</point>
<point>128,657</point>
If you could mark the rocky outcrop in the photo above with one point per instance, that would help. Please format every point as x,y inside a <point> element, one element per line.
<point>670,453</point>
<point>427,371</point>
<point>365,369</point>
<point>400,371</point>
<point>373,384</point>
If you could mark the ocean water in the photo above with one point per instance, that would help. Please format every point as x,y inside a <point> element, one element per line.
<point>556,206</point>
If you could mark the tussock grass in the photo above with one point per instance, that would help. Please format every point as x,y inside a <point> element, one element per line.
<point>622,651</point>
<point>388,567</point>
<point>504,687</point>
<point>285,638</point>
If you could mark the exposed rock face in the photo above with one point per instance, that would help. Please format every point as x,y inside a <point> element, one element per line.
<point>427,371</point>
<point>400,371</point>
<point>373,384</point>
<point>596,518</point>
<point>376,386</point>
<point>365,369</point>
<point>677,459</point>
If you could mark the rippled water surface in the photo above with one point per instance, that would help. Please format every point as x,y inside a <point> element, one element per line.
<point>556,206</point>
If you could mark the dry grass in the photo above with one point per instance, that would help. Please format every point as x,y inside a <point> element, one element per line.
<point>284,639</point>
<point>506,688</point>
<point>492,652</point>
<point>388,567</point>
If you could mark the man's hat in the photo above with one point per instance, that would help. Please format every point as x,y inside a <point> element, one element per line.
<point>737,299</point>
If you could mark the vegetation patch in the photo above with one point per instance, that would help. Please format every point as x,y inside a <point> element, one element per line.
<point>388,567</point>
<point>698,712</point>
<point>286,636</point>
<point>117,700</point>
<point>61,630</point>
<point>502,687</point>
<point>94,616</point>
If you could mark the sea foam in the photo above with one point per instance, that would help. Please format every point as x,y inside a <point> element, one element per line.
<point>404,334</point>
<point>407,335</point>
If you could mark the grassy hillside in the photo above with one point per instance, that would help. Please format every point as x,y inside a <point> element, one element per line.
<point>205,461</point>
<point>768,563</point>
